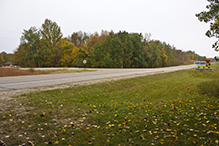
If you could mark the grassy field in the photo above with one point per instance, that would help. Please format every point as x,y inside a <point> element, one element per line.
<point>165,109</point>
<point>4,72</point>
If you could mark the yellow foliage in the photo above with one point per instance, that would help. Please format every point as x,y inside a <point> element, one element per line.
<point>74,52</point>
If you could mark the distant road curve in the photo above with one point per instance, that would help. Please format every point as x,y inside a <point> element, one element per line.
<point>34,81</point>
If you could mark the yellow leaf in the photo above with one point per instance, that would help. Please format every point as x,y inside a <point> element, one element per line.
<point>194,142</point>
<point>56,142</point>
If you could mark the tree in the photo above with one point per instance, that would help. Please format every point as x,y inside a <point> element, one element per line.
<point>51,44</point>
<point>51,33</point>
<point>30,42</point>
<point>107,53</point>
<point>81,55</point>
<point>127,47</point>
<point>138,57</point>
<point>19,56</point>
<point>67,52</point>
<point>5,57</point>
<point>164,58</point>
<point>74,39</point>
<point>78,38</point>
<point>1,59</point>
<point>212,16</point>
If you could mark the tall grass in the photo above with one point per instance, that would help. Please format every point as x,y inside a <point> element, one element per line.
<point>4,72</point>
<point>17,72</point>
<point>210,88</point>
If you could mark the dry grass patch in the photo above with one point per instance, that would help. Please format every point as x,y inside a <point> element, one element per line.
<point>17,72</point>
<point>4,72</point>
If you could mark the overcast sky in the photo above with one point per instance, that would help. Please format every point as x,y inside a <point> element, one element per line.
<point>172,21</point>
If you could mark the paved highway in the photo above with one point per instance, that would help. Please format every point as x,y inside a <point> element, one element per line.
<point>34,81</point>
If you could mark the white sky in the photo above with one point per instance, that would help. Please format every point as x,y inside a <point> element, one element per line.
<point>172,21</point>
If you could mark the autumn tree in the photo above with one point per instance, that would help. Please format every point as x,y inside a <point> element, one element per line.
<point>74,38</point>
<point>78,38</point>
<point>2,59</point>
<point>212,16</point>
<point>67,49</point>
<point>163,57</point>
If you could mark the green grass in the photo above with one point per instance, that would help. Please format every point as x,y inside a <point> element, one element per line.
<point>165,109</point>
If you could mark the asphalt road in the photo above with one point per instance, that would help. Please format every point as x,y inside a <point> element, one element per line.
<point>34,81</point>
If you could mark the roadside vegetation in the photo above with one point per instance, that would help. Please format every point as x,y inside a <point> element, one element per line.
<point>4,72</point>
<point>46,47</point>
<point>164,109</point>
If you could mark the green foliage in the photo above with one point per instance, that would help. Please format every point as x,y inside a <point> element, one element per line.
<point>51,39</point>
<point>212,16</point>
<point>40,47</point>
<point>27,53</point>
<point>47,48</point>
<point>127,48</point>
<point>137,59</point>
<point>51,33</point>
<point>4,57</point>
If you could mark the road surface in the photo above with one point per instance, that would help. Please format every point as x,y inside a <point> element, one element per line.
<point>34,81</point>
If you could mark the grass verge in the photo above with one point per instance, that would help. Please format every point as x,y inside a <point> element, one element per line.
<point>165,109</point>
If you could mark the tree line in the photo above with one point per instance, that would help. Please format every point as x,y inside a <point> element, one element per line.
<point>46,47</point>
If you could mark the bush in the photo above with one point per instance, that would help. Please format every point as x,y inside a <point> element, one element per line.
<point>210,88</point>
